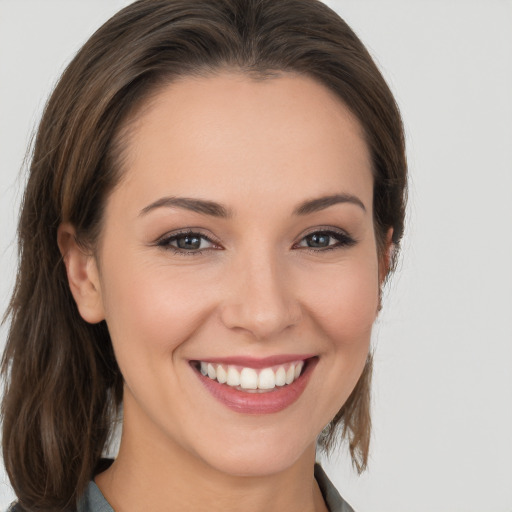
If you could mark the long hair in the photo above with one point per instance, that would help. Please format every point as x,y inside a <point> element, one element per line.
<point>63,386</point>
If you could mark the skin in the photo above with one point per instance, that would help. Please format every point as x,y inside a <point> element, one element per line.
<point>260,148</point>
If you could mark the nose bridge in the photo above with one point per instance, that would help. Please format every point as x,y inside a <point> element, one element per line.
<point>261,300</point>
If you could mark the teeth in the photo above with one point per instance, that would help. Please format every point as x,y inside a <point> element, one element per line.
<point>298,369</point>
<point>281,376</point>
<point>290,374</point>
<point>248,379</point>
<point>222,376</point>
<point>251,380</point>
<point>267,379</point>
<point>233,377</point>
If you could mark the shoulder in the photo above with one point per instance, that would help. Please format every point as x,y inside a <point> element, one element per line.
<point>333,500</point>
<point>93,500</point>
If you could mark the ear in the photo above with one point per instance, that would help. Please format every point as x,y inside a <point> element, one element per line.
<point>83,275</point>
<point>386,257</point>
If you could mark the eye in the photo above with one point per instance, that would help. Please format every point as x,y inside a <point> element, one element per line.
<point>186,242</point>
<point>326,240</point>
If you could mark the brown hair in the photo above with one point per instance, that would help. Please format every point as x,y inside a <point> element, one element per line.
<point>63,386</point>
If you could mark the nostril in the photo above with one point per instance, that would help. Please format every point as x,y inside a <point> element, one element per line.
<point>261,322</point>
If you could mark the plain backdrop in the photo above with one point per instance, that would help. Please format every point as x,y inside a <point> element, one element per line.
<point>442,406</point>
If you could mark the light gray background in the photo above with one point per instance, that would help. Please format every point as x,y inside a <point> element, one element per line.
<point>443,381</point>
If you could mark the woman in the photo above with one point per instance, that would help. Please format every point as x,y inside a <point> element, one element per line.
<point>215,199</point>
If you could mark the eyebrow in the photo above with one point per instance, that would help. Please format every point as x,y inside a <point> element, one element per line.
<point>218,210</point>
<point>196,205</point>
<point>321,203</point>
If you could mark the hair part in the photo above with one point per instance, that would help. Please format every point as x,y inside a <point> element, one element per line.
<point>63,387</point>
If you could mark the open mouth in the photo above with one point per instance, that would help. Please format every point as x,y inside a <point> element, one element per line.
<point>252,380</point>
<point>256,386</point>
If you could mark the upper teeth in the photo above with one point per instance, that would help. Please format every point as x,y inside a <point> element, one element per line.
<point>250,378</point>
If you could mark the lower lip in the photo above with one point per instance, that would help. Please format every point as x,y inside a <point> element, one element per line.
<point>259,403</point>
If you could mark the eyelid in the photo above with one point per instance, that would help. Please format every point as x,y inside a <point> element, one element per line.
<point>343,238</point>
<point>164,240</point>
<point>325,229</point>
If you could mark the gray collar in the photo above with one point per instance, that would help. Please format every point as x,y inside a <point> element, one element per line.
<point>333,500</point>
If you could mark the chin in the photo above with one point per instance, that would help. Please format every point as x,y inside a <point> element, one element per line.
<point>260,456</point>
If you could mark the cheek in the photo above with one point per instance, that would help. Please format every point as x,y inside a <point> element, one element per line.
<point>153,310</point>
<point>345,303</point>
<point>343,308</point>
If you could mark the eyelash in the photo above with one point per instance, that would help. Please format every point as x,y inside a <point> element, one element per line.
<point>343,241</point>
<point>165,242</point>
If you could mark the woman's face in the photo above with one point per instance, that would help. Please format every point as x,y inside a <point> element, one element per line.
<point>240,239</point>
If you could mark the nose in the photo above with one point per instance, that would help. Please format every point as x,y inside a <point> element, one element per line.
<point>261,299</point>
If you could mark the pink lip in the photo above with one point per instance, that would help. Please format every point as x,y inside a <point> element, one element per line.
<point>259,403</point>
<point>258,363</point>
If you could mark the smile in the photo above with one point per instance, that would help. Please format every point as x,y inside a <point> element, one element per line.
<point>251,379</point>
<point>256,386</point>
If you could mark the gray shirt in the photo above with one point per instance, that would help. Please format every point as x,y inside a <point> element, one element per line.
<point>94,501</point>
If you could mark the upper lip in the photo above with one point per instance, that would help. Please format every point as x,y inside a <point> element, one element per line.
<point>257,362</point>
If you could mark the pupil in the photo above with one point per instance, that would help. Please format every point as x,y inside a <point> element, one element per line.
<point>189,242</point>
<point>318,240</point>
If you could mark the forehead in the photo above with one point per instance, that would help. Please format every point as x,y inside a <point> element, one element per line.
<point>229,134</point>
